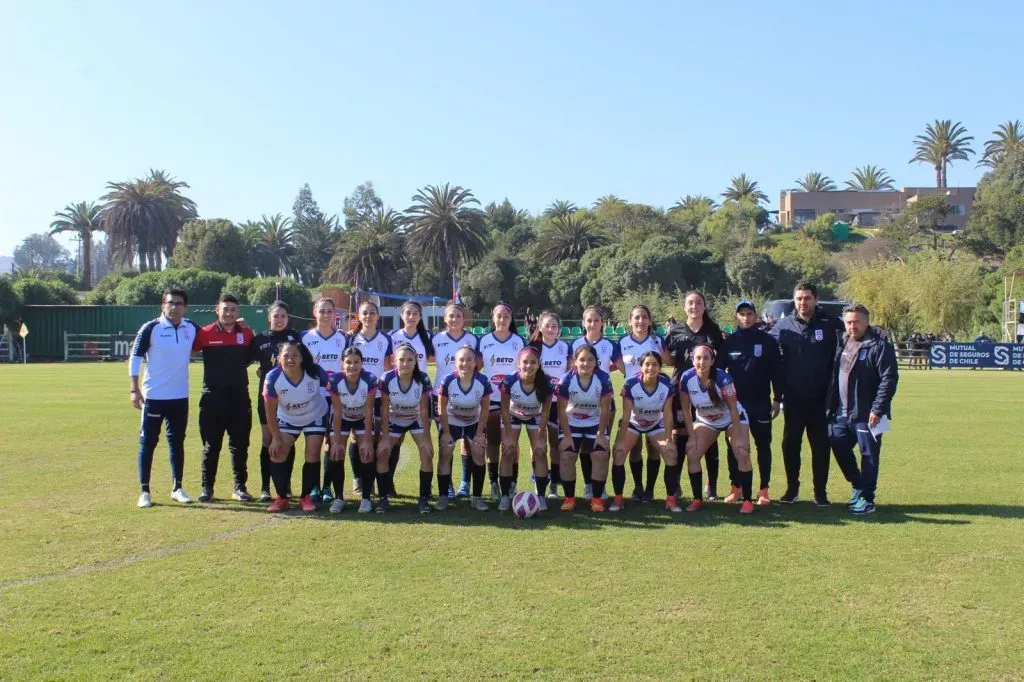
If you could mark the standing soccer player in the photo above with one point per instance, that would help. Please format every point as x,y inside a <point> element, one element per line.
<point>555,361</point>
<point>377,359</point>
<point>326,344</point>
<point>445,344</point>
<point>498,351</point>
<point>225,406</point>
<point>166,345</point>
<point>807,340</point>
<point>859,397</point>
<point>640,340</point>
<point>414,333</point>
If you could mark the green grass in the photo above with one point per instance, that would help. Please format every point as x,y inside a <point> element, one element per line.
<point>92,588</point>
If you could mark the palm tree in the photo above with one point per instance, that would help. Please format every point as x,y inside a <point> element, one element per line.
<point>505,216</point>
<point>693,203</point>
<point>558,208</point>
<point>608,200</point>
<point>83,219</point>
<point>569,237</point>
<point>444,226</point>
<point>313,240</point>
<point>1009,137</point>
<point>816,182</point>
<point>142,218</point>
<point>275,242</point>
<point>870,179</point>
<point>369,252</point>
<point>741,187</point>
<point>942,143</point>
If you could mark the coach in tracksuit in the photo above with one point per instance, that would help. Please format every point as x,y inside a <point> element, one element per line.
<point>807,339</point>
<point>752,359</point>
<point>862,385</point>
<point>166,345</point>
<point>225,406</point>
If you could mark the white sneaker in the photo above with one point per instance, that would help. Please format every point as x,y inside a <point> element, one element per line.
<point>365,506</point>
<point>180,495</point>
<point>553,492</point>
<point>542,504</point>
<point>337,506</point>
<point>588,492</point>
<point>145,500</point>
<point>505,503</point>
<point>479,504</point>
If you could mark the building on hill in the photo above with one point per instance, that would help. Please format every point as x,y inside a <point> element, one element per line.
<point>868,208</point>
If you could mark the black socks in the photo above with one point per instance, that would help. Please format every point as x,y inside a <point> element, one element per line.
<point>618,478</point>
<point>636,469</point>
<point>697,485</point>
<point>653,469</point>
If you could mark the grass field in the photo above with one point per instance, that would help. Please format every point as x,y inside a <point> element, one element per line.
<point>930,587</point>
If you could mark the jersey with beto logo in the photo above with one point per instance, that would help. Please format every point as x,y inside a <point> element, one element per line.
<point>522,404</point>
<point>300,403</point>
<point>464,405</point>
<point>326,350</point>
<point>632,349</point>
<point>607,351</point>
<point>499,358</point>
<point>375,349</point>
<point>445,346</point>
<point>353,402</point>
<point>706,410</point>
<point>584,401</point>
<point>403,405</point>
<point>648,407</point>
<point>399,336</point>
<point>555,360</point>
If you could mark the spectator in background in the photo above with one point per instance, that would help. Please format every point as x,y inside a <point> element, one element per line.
<point>530,320</point>
<point>982,338</point>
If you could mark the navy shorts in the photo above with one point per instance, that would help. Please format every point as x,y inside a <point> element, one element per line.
<point>553,416</point>
<point>354,426</point>
<point>583,438</point>
<point>464,433</point>
<point>654,430</point>
<point>531,424</point>
<point>397,430</point>
<point>314,428</point>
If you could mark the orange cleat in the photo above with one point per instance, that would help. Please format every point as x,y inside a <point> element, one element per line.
<point>735,495</point>
<point>747,507</point>
<point>307,504</point>
<point>279,505</point>
<point>569,504</point>
<point>672,504</point>
<point>596,505</point>
<point>696,505</point>
<point>762,497</point>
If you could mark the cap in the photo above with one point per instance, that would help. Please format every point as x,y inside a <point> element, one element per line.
<point>744,303</point>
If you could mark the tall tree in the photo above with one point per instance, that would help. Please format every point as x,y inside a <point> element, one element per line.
<point>504,216</point>
<point>816,182</point>
<point>314,240</point>
<point>741,187</point>
<point>559,207</point>
<point>371,252</point>
<point>83,219</point>
<point>568,238</point>
<point>361,204</point>
<point>942,143</point>
<point>870,179</point>
<point>215,245</point>
<point>444,226</point>
<point>1009,137</point>
<point>41,252</point>
<point>275,242</point>
<point>697,203</point>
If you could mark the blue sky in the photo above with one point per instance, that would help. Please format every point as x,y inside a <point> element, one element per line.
<point>535,101</point>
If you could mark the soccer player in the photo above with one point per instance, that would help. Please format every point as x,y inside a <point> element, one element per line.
<point>445,344</point>
<point>646,412</point>
<point>166,345</point>
<point>356,390</point>
<point>498,350</point>
<point>377,349</point>
<point>414,332</point>
<point>225,406</point>
<point>263,349</point>
<point>526,398</point>
<point>584,409</point>
<point>404,408</point>
<point>859,397</point>
<point>680,340</point>
<point>711,394</point>
<point>555,361</point>
<point>295,405</point>
<point>753,361</point>
<point>807,340</point>
<point>326,344</point>
<point>640,340</point>
<point>463,400</point>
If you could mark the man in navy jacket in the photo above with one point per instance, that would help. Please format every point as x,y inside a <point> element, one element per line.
<point>860,393</point>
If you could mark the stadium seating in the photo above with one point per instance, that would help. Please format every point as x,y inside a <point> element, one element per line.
<point>576,332</point>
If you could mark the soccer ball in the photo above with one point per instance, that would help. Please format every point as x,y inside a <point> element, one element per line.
<point>525,504</point>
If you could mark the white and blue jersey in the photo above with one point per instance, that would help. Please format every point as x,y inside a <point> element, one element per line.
<point>648,411</point>
<point>632,349</point>
<point>555,360</point>
<point>707,411</point>
<point>607,352</point>
<point>499,360</point>
<point>166,349</point>
<point>403,404</point>
<point>399,336</point>
<point>300,404</point>
<point>583,401</point>
<point>464,403</point>
<point>353,401</point>
<point>326,351</point>
<point>524,406</point>
<point>376,350</point>
<point>445,346</point>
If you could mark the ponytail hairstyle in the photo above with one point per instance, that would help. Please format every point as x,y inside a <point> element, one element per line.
<point>421,328</point>
<point>350,352</point>
<point>650,318</point>
<point>648,354</point>
<point>309,366</point>
<point>713,394</point>
<point>706,322</point>
<point>586,348</point>
<point>320,301</point>
<point>417,373</point>
<point>537,338</point>
<point>592,308</point>
<point>541,382</point>
<point>458,306</point>
<point>283,306</point>
<point>512,322</point>
<point>359,318</point>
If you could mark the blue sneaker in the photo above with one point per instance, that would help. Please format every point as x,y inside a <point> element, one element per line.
<point>463,490</point>
<point>314,494</point>
<point>451,493</point>
<point>383,505</point>
<point>326,497</point>
<point>424,506</point>
<point>862,506</point>
<point>854,496</point>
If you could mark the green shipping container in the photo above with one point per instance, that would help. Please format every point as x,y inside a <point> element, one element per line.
<point>840,231</point>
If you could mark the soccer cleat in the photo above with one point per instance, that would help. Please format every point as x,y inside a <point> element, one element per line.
<point>424,506</point>
<point>618,503</point>
<point>638,494</point>
<point>854,496</point>
<point>145,500</point>
<point>279,505</point>
<point>383,505</point>
<point>442,503</point>
<point>326,496</point>
<point>647,497</point>
<point>542,504</point>
<point>365,506</point>
<point>337,506</point>
<point>505,503</point>
<point>463,490</point>
<point>696,505</point>
<point>672,504</point>
<point>314,494</point>
<point>735,495</point>
<point>265,496</point>
<point>179,495</point>
<point>569,504</point>
<point>242,495</point>
<point>822,501</point>
<point>553,492</point>
<point>762,497</point>
<point>451,493</point>
<point>588,491</point>
<point>479,504</point>
<point>747,507</point>
<point>710,493</point>
<point>307,504</point>
<point>495,491</point>
<point>597,505</point>
<point>862,506</point>
<point>207,495</point>
<point>790,497</point>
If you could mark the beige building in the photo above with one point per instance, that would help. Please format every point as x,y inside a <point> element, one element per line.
<point>866,209</point>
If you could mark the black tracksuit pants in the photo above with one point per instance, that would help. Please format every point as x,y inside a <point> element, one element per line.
<point>225,411</point>
<point>798,417</point>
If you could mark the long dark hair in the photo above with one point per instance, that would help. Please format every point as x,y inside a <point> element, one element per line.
<point>537,337</point>
<point>421,328</point>
<point>359,319</point>
<point>650,318</point>
<point>309,365</point>
<point>511,323</point>
<point>417,373</point>
<point>716,397</point>
<point>592,308</point>
<point>541,382</point>
<point>705,321</point>
<point>648,354</point>
<point>316,304</point>
<point>586,348</point>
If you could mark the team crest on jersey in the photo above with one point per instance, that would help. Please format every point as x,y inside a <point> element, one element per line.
<point>757,350</point>
<point>863,354</point>
<point>819,335</point>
